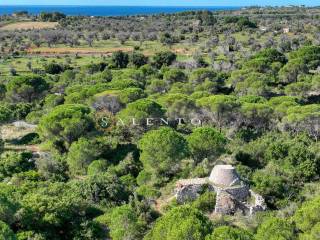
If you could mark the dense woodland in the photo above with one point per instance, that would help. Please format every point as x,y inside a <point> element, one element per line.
<point>252,77</point>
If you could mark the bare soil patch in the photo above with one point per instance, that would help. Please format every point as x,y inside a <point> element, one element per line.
<point>8,132</point>
<point>28,25</point>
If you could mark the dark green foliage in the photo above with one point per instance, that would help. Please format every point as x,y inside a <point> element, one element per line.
<point>52,168</point>
<point>308,216</point>
<point>51,17</point>
<point>202,74</point>
<point>206,142</point>
<point>80,155</point>
<point>97,167</point>
<point>65,124</point>
<point>271,55</point>
<point>6,233</point>
<point>178,106</point>
<point>140,110</point>
<point>206,202</point>
<point>231,19</point>
<point>129,221</point>
<point>287,162</point>
<point>5,114</point>
<point>242,22</point>
<point>105,189</point>
<point>181,223</point>
<point>80,94</point>
<point>1,146</point>
<point>53,68</point>
<point>207,18</point>
<point>53,100</point>
<point>164,59</point>
<point>275,229</point>
<point>120,59</point>
<point>8,208</point>
<point>300,62</point>
<point>271,186</point>
<point>161,152</point>
<point>138,59</point>
<point>26,88</point>
<point>129,95</point>
<point>20,110</point>
<point>167,39</point>
<point>25,235</point>
<point>222,108</point>
<point>3,91</point>
<point>124,223</point>
<point>174,75</point>
<point>230,233</point>
<point>95,67</point>
<point>52,211</point>
<point>30,138</point>
<point>12,163</point>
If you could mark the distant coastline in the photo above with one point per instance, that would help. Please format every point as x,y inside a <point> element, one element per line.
<point>108,10</point>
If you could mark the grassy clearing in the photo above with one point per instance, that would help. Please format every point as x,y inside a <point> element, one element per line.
<point>28,25</point>
<point>108,47</point>
<point>79,50</point>
<point>20,63</point>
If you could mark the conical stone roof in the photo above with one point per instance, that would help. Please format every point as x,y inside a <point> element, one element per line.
<point>224,175</point>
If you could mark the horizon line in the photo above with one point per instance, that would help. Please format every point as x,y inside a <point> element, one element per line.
<point>105,5</point>
<point>138,5</point>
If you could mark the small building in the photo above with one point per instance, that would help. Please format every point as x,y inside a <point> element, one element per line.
<point>286,30</point>
<point>233,194</point>
<point>224,175</point>
<point>196,23</point>
<point>263,28</point>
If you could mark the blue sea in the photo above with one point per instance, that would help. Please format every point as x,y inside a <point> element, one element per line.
<point>106,10</point>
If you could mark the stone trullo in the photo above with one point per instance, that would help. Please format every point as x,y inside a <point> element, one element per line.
<point>233,195</point>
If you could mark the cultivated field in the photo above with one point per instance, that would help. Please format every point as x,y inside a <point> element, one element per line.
<point>28,25</point>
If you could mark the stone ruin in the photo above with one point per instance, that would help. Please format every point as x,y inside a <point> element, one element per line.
<point>232,194</point>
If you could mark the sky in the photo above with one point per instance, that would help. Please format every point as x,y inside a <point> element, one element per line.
<point>163,2</point>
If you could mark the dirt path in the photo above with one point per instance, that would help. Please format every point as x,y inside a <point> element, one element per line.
<point>162,202</point>
<point>86,51</point>
<point>18,148</point>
